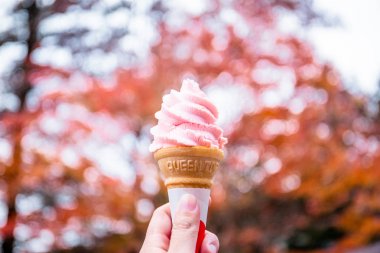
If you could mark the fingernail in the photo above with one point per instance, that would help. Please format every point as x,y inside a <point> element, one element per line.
<point>188,203</point>
<point>211,248</point>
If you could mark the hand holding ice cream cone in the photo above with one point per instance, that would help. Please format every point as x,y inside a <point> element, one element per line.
<point>181,236</point>
<point>188,147</point>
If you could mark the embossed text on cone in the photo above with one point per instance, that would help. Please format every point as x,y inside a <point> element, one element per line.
<point>192,167</point>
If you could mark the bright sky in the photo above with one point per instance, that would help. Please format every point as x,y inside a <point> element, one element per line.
<point>354,48</point>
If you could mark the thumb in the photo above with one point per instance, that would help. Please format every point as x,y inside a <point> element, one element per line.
<point>185,226</point>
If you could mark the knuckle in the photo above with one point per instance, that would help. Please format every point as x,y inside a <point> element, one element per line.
<point>216,241</point>
<point>214,237</point>
<point>183,223</point>
<point>211,237</point>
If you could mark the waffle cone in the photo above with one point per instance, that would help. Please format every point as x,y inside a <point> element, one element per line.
<point>188,167</point>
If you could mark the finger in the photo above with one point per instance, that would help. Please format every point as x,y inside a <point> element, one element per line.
<point>161,221</point>
<point>158,233</point>
<point>210,243</point>
<point>185,226</point>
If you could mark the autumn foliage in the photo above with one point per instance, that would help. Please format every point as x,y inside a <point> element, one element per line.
<point>301,169</point>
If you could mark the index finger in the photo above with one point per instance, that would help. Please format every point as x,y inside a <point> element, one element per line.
<point>161,222</point>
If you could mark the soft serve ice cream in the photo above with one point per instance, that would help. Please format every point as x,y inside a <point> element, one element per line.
<point>187,118</point>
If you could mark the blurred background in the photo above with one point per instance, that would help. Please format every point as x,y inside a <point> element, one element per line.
<point>297,86</point>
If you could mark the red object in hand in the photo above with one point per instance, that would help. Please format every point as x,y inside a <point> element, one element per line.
<point>201,236</point>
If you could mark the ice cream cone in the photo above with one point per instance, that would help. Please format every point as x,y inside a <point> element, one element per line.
<point>189,170</point>
<point>188,167</point>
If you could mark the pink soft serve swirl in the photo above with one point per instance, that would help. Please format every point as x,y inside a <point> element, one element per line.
<point>187,118</point>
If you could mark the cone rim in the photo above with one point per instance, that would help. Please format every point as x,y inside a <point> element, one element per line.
<point>195,151</point>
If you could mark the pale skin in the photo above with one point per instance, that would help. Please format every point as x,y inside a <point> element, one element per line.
<point>164,237</point>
